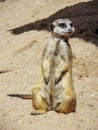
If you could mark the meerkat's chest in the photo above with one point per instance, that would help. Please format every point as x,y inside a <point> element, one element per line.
<point>57,51</point>
<point>60,48</point>
<point>61,51</point>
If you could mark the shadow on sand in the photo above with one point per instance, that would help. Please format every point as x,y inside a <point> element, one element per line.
<point>84,16</point>
<point>2,0</point>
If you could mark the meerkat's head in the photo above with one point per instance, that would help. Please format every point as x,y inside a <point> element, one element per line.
<point>62,27</point>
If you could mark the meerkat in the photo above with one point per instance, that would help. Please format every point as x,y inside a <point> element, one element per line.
<point>55,90</point>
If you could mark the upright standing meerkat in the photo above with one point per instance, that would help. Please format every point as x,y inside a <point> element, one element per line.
<point>55,91</point>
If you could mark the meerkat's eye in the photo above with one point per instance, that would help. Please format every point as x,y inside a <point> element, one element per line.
<point>62,25</point>
<point>71,24</point>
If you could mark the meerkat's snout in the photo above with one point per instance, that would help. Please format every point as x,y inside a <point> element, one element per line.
<point>71,31</point>
<point>62,27</point>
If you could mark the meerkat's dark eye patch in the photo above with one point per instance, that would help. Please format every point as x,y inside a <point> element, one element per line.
<point>62,25</point>
<point>52,27</point>
<point>71,24</point>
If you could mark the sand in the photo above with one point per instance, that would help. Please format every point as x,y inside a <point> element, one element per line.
<point>24,31</point>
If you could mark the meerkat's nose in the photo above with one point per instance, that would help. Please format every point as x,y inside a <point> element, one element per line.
<point>70,31</point>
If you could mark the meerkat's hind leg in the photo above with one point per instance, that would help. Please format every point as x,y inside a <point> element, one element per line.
<point>66,106</point>
<point>36,112</point>
<point>38,101</point>
<point>39,106</point>
<point>68,103</point>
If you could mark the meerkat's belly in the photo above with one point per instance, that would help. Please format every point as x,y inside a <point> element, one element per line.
<point>56,91</point>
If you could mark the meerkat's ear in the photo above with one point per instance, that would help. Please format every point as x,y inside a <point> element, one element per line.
<point>52,27</point>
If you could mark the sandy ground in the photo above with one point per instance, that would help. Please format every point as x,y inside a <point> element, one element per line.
<point>23,35</point>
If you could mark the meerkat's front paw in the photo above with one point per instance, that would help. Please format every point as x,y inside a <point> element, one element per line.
<point>56,81</point>
<point>57,77</point>
<point>46,80</point>
<point>46,77</point>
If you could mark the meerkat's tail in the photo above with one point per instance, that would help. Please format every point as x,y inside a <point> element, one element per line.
<point>22,96</point>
